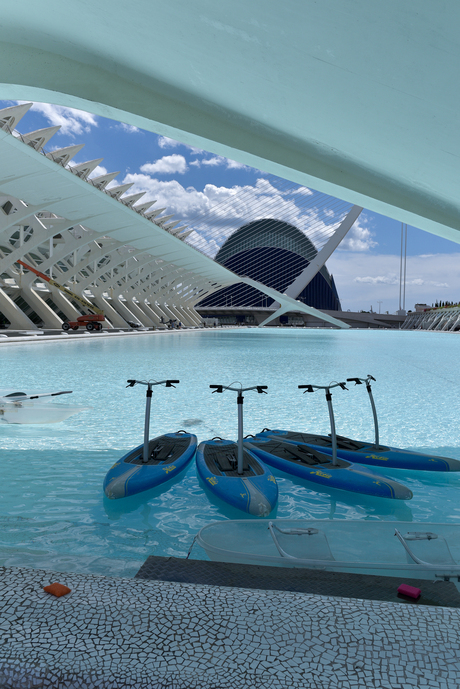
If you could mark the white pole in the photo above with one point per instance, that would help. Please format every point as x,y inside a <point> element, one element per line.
<point>405,262</point>
<point>400,266</point>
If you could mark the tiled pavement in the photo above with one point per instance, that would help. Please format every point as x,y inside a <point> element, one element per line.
<point>139,634</point>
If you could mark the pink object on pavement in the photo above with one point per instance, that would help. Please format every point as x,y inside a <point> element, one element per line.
<point>410,591</point>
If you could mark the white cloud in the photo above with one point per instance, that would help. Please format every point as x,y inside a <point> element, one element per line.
<point>215,160</point>
<point>168,165</point>
<point>235,165</point>
<point>304,191</point>
<point>394,280</point>
<point>359,238</point>
<point>72,122</point>
<point>98,171</point>
<point>166,142</point>
<point>364,279</point>
<point>216,212</point>
<point>378,280</point>
<point>129,128</point>
<point>219,161</point>
<point>185,202</point>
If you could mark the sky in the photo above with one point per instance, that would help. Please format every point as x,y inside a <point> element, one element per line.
<point>206,191</point>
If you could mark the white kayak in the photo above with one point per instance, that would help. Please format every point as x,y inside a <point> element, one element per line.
<point>27,407</point>
<point>399,549</point>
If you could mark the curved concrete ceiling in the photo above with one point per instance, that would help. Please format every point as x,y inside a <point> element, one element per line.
<point>357,99</point>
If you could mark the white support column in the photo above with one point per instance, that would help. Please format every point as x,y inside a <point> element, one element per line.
<point>112,314</point>
<point>140,315</point>
<point>64,304</point>
<point>37,303</point>
<point>188,318</point>
<point>123,309</point>
<point>176,313</point>
<point>149,313</point>
<point>152,316</point>
<point>315,265</point>
<point>170,315</point>
<point>15,315</point>
<point>156,308</point>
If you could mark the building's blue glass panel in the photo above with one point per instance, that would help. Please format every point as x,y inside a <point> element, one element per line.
<point>246,253</point>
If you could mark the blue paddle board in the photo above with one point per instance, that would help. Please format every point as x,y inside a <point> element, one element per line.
<point>313,465</point>
<point>168,455</point>
<point>366,453</point>
<point>255,491</point>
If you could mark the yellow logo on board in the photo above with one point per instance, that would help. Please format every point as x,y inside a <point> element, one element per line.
<point>382,459</point>
<point>320,473</point>
<point>168,469</point>
<point>212,480</point>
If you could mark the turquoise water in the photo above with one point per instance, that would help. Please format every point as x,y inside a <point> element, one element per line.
<point>52,510</point>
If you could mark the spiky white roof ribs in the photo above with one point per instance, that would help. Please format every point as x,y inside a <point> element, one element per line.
<point>85,169</point>
<point>44,181</point>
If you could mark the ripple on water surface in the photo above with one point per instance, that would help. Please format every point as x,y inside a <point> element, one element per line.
<point>52,510</point>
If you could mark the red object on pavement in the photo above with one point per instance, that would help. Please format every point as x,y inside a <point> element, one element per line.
<point>409,591</point>
<point>57,589</point>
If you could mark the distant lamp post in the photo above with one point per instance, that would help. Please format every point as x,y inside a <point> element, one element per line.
<point>379,303</point>
<point>402,271</point>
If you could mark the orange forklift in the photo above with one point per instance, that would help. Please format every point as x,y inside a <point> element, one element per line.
<point>92,321</point>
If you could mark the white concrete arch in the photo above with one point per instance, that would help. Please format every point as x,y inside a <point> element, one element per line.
<point>355,99</point>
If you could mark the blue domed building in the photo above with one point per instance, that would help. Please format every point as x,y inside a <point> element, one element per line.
<point>275,253</point>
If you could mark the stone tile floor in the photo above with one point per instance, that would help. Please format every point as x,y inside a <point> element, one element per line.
<point>131,633</point>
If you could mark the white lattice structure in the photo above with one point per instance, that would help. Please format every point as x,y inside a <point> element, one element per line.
<point>100,242</point>
<point>447,318</point>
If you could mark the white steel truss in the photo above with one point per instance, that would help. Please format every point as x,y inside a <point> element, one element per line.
<point>102,244</point>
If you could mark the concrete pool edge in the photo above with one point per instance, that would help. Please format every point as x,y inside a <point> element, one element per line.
<point>85,335</point>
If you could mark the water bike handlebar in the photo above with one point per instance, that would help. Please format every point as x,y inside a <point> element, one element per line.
<point>360,381</point>
<point>220,388</point>
<point>239,400</point>
<point>367,382</point>
<point>148,401</point>
<point>167,383</point>
<point>328,388</point>
<point>312,388</point>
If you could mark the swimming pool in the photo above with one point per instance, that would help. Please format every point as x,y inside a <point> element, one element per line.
<point>52,510</point>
